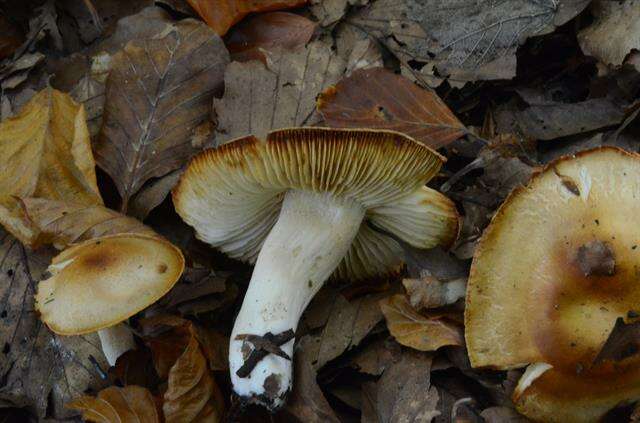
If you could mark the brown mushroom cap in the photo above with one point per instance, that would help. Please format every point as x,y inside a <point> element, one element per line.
<point>556,267</point>
<point>232,195</point>
<point>103,281</point>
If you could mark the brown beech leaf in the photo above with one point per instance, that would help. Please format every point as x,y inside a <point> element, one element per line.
<point>168,335</point>
<point>347,324</point>
<point>44,369</point>
<point>10,37</point>
<point>307,402</point>
<point>623,342</point>
<point>114,404</point>
<point>404,392</point>
<point>480,45</point>
<point>378,98</point>
<point>281,94</point>
<point>158,92</point>
<point>268,31</point>
<point>45,152</point>
<point>223,14</point>
<point>422,332</point>
<point>182,354</point>
<point>63,223</point>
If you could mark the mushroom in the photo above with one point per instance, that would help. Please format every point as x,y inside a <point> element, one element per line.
<point>301,205</point>
<point>97,284</point>
<point>553,271</point>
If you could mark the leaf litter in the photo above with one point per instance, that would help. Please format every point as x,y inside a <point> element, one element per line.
<point>500,91</point>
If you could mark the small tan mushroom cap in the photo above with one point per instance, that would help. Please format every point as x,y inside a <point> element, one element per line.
<point>101,282</point>
<point>534,296</point>
<point>232,195</point>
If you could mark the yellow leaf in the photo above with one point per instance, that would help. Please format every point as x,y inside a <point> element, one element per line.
<point>422,332</point>
<point>45,152</point>
<point>123,405</point>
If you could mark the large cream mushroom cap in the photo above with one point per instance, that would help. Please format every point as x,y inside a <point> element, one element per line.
<point>103,281</point>
<point>232,195</point>
<point>543,288</point>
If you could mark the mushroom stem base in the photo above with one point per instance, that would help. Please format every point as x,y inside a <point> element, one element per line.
<point>311,237</point>
<point>116,340</point>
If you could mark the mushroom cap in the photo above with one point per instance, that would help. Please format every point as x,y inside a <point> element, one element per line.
<point>543,287</point>
<point>232,195</point>
<point>103,281</point>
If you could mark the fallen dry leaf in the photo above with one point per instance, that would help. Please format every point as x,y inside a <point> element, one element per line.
<point>192,395</point>
<point>44,369</point>
<point>549,120</point>
<point>64,223</point>
<point>329,12</point>
<point>223,14</point>
<point>167,336</point>
<point>114,404</point>
<point>280,94</point>
<point>268,31</point>
<point>360,50</point>
<point>307,402</point>
<point>422,332</point>
<point>10,39</point>
<point>404,392</point>
<point>482,43</point>
<point>158,92</point>
<point>378,98</point>
<point>429,292</point>
<point>614,33</point>
<point>347,324</point>
<point>376,356</point>
<point>135,367</point>
<point>45,152</point>
<point>623,342</point>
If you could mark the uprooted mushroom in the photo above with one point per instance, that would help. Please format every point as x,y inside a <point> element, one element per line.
<point>98,284</point>
<point>298,205</point>
<point>555,270</point>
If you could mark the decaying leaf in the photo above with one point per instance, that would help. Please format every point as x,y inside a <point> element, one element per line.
<point>307,402</point>
<point>268,31</point>
<point>359,49</point>
<point>168,335</point>
<point>328,12</point>
<point>623,342</point>
<point>615,32</point>
<point>44,369</point>
<point>113,404</point>
<point>422,332</point>
<point>223,14</point>
<point>480,45</point>
<point>348,322</point>
<point>64,223</point>
<point>179,354</point>
<point>378,98</point>
<point>549,120</point>
<point>282,94</point>
<point>10,37</point>
<point>404,392</point>
<point>377,356</point>
<point>429,292</point>
<point>45,152</point>
<point>158,92</point>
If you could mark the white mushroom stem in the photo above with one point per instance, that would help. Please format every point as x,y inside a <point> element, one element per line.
<point>116,340</point>
<point>310,238</point>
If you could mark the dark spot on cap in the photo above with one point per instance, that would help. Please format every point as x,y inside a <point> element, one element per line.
<point>162,268</point>
<point>272,386</point>
<point>596,258</point>
<point>99,260</point>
